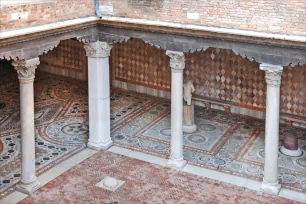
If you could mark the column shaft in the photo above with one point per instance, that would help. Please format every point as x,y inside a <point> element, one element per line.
<point>273,79</point>
<point>177,116</point>
<point>177,64</point>
<point>26,75</point>
<point>272,134</point>
<point>27,131</point>
<point>99,95</point>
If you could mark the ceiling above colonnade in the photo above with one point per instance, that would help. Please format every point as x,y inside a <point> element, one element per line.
<point>262,50</point>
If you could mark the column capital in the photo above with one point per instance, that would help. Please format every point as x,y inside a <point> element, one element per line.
<point>98,49</point>
<point>26,68</point>
<point>273,73</point>
<point>177,61</point>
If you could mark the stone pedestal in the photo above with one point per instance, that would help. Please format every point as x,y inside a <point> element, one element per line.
<point>99,95</point>
<point>273,75</point>
<point>177,64</point>
<point>188,118</point>
<point>290,145</point>
<point>26,75</point>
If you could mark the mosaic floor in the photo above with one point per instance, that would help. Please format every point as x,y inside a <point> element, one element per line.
<point>144,183</point>
<point>231,144</point>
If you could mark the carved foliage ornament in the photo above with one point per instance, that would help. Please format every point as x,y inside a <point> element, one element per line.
<point>98,49</point>
<point>26,68</point>
<point>273,74</point>
<point>177,60</point>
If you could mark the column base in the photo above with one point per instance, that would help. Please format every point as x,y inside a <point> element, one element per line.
<point>99,146</point>
<point>176,163</point>
<point>292,153</point>
<point>189,128</point>
<point>28,188</point>
<point>271,188</point>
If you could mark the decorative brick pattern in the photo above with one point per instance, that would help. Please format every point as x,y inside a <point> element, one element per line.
<point>68,59</point>
<point>217,73</point>
<point>220,74</point>
<point>139,63</point>
<point>293,90</point>
<point>286,17</point>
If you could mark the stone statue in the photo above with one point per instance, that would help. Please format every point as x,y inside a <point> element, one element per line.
<point>188,90</point>
<point>188,113</point>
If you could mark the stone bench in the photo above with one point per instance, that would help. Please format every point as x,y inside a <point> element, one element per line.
<point>208,101</point>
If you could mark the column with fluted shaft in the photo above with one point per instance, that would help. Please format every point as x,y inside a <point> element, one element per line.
<point>177,65</point>
<point>99,95</point>
<point>273,74</point>
<point>26,74</point>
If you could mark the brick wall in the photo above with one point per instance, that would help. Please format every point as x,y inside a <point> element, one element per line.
<point>67,59</point>
<point>272,16</point>
<point>278,16</point>
<point>217,73</point>
<point>18,16</point>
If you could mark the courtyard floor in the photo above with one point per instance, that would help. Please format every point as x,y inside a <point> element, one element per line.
<point>227,143</point>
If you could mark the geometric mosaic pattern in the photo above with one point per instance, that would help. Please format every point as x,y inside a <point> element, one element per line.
<point>217,73</point>
<point>228,143</point>
<point>61,121</point>
<point>224,142</point>
<point>51,147</point>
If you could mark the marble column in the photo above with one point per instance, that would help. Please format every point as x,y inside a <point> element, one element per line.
<point>99,95</point>
<point>177,65</point>
<point>26,74</point>
<point>273,74</point>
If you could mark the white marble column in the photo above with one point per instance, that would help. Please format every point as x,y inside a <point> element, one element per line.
<point>99,95</point>
<point>26,75</point>
<point>273,79</point>
<point>177,65</point>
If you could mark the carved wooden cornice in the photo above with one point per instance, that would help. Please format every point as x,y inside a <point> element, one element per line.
<point>261,50</point>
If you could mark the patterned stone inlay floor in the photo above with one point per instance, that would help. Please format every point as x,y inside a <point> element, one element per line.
<point>61,120</point>
<point>144,183</point>
<point>227,143</point>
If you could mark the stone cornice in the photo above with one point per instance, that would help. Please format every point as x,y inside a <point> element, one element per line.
<point>26,68</point>
<point>45,34</point>
<point>177,61</point>
<point>273,74</point>
<point>98,49</point>
<point>167,38</point>
<point>187,31</point>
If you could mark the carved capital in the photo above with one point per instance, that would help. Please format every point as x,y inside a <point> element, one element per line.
<point>98,49</point>
<point>177,61</point>
<point>26,68</point>
<point>273,73</point>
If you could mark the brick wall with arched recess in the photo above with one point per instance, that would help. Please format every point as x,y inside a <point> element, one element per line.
<point>138,63</point>
<point>293,90</point>
<point>68,59</point>
<point>217,73</point>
